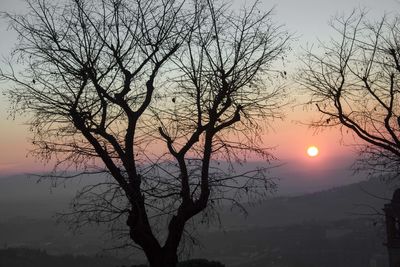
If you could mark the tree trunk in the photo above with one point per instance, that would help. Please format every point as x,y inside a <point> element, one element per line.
<point>142,234</point>
<point>163,259</point>
<point>157,256</point>
<point>167,255</point>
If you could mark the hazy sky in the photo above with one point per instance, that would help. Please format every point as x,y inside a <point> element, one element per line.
<point>307,19</point>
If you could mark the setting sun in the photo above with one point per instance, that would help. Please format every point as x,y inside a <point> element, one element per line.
<point>312,151</point>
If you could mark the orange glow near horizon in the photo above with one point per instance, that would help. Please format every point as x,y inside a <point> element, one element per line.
<point>288,139</point>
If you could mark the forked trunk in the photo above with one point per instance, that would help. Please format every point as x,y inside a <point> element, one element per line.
<point>156,255</point>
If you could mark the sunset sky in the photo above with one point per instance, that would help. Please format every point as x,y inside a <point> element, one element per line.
<point>307,19</point>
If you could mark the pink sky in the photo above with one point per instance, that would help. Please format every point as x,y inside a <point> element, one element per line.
<point>307,19</point>
<point>289,138</point>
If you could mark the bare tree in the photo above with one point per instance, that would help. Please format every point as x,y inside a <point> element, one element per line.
<point>154,93</point>
<point>354,83</point>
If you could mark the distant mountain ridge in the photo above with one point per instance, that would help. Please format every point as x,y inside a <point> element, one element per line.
<point>25,196</point>
<point>349,201</point>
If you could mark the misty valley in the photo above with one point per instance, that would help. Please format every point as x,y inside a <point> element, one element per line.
<point>332,227</point>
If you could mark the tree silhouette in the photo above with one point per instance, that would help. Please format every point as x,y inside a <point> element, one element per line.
<point>156,94</point>
<point>354,82</point>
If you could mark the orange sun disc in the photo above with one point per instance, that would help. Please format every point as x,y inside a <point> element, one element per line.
<point>312,151</point>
